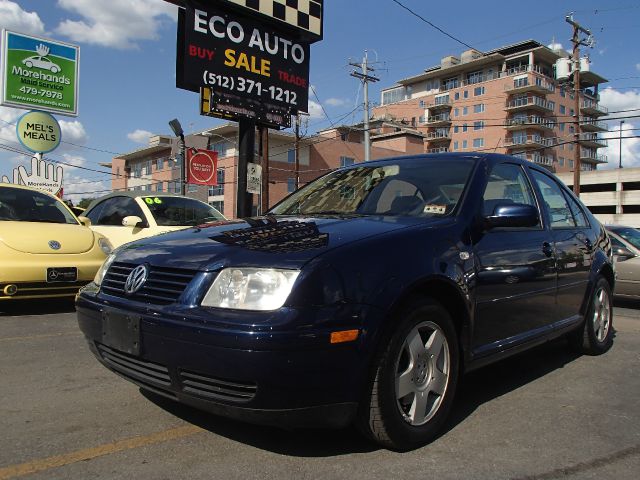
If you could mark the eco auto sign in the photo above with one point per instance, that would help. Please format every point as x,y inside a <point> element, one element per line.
<point>238,58</point>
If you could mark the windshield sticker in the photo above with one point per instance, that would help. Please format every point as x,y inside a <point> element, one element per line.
<point>151,201</point>
<point>438,209</point>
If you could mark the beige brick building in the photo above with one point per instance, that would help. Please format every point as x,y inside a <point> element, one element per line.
<point>506,101</point>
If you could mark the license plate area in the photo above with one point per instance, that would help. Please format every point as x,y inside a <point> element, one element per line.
<point>62,274</point>
<point>121,330</point>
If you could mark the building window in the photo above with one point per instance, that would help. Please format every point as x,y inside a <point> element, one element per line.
<point>551,105</point>
<point>562,94</point>
<point>570,163</point>
<point>192,188</point>
<point>422,104</point>
<point>456,96</point>
<point>478,91</point>
<point>572,112</point>
<point>464,127</point>
<point>291,156</point>
<point>393,96</point>
<point>218,205</point>
<point>479,125</point>
<point>562,126</point>
<point>478,142</point>
<point>455,145</point>
<point>159,187</point>
<point>455,129</point>
<point>465,110</point>
<point>563,109</point>
<point>451,83</point>
<point>137,170</point>
<point>219,188</point>
<point>464,144</point>
<point>220,147</point>
<point>478,108</point>
<point>474,77</point>
<point>291,185</point>
<point>147,167</point>
<point>346,161</point>
<point>466,94</point>
<point>561,161</point>
<point>572,129</point>
<point>442,100</point>
<point>456,112</point>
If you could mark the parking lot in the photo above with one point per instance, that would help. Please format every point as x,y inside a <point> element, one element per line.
<point>543,415</point>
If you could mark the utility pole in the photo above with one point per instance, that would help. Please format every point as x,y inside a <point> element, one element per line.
<point>587,42</point>
<point>264,197</point>
<point>620,157</point>
<point>366,78</point>
<point>297,152</point>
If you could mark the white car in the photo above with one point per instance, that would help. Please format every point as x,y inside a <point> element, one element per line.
<point>41,62</point>
<point>626,250</point>
<point>123,217</point>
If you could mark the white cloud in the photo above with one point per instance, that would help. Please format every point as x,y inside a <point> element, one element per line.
<point>638,66</point>
<point>115,23</point>
<point>73,132</point>
<point>139,136</point>
<point>615,101</point>
<point>15,18</point>
<point>76,160</point>
<point>555,46</point>
<point>336,102</point>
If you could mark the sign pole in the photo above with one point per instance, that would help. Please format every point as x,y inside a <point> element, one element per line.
<point>247,140</point>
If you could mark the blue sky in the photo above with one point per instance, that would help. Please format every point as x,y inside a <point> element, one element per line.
<point>127,71</point>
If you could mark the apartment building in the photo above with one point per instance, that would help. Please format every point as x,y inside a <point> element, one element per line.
<point>153,168</point>
<point>513,100</point>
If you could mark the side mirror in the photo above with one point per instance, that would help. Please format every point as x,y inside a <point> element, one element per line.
<point>132,221</point>
<point>512,215</point>
<point>622,253</point>
<point>84,221</point>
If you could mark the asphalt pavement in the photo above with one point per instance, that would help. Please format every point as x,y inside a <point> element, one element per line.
<point>546,414</point>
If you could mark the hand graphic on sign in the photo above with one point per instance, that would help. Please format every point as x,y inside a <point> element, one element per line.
<point>16,178</point>
<point>44,176</point>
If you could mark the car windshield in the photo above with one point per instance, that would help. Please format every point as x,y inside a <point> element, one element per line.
<point>176,211</point>
<point>18,205</point>
<point>409,187</point>
<point>631,235</point>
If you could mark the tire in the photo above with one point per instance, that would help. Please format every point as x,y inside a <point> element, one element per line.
<point>55,70</point>
<point>29,64</point>
<point>413,379</point>
<point>595,336</point>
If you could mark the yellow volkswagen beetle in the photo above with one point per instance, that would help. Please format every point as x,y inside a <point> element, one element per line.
<point>44,250</point>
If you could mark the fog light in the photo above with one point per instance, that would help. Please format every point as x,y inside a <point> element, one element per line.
<point>10,290</point>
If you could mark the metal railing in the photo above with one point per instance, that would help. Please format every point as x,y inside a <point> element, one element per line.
<point>531,120</point>
<point>528,140</point>
<point>531,100</point>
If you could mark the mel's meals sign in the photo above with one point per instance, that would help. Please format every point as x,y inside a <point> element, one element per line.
<point>38,73</point>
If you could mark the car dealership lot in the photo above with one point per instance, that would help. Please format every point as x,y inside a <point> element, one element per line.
<point>543,415</point>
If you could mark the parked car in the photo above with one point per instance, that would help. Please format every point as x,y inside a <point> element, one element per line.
<point>360,298</point>
<point>126,216</point>
<point>626,251</point>
<point>44,251</point>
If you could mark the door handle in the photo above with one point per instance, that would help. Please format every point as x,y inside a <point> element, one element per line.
<point>547,249</point>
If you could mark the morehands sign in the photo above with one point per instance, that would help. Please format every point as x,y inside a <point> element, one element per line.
<point>39,73</point>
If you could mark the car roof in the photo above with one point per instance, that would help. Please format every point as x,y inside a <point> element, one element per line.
<point>614,228</point>
<point>136,194</point>
<point>24,187</point>
<point>474,156</point>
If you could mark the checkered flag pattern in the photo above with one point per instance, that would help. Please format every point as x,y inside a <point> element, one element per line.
<point>302,14</point>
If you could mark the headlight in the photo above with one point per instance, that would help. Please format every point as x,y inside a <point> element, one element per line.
<point>105,245</point>
<point>102,271</point>
<point>250,288</point>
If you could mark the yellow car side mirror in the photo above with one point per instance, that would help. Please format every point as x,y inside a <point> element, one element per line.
<point>84,221</point>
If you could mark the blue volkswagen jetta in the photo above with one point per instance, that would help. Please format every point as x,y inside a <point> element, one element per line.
<point>361,298</point>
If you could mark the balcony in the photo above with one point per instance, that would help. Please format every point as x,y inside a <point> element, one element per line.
<point>531,102</point>
<point>439,136</point>
<point>592,157</point>
<point>440,103</point>
<point>545,160</point>
<point>529,122</point>
<point>527,141</point>
<point>531,83</point>
<point>592,140</point>
<point>591,107</point>
<point>592,125</point>
<point>438,150</point>
<point>441,119</point>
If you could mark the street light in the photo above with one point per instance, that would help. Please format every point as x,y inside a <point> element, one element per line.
<point>178,132</point>
<point>621,123</point>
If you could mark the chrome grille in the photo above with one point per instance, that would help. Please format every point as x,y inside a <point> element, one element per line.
<point>215,388</point>
<point>143,372</point>
<point>163,285</point>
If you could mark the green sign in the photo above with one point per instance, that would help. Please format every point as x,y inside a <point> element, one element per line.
<point>39,73</point>
<point>38,131</point>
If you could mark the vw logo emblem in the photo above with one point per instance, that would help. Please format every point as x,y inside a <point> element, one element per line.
<point>136,279</point>
<point>54,245</point>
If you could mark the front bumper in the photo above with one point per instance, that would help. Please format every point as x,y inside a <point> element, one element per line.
<point>278,376</point>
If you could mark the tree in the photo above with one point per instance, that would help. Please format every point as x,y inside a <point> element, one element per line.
<point>84,203</point>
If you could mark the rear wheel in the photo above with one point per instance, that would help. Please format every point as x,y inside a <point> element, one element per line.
<point>414,379</point>
<point>596,335</point>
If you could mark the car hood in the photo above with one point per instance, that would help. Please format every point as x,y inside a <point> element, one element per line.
<point>289,243</point>
<point>34,237</point>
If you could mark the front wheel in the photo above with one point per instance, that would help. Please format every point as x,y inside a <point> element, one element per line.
<point>414,379</point>
<point>595,337</point>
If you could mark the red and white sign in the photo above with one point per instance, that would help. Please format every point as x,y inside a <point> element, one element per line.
<point>202,167</point>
